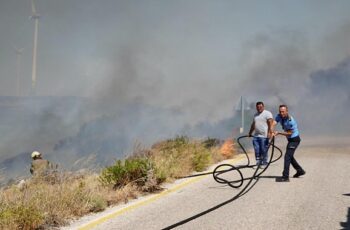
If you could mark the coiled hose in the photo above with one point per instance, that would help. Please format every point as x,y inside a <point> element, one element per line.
<point>234,183</point>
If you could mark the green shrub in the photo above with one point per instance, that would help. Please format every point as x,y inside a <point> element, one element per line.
<point>126,171</point>
<point>21,216</point>
<point>171,166</point>
<point>201,159</point>
<point>97,203</point>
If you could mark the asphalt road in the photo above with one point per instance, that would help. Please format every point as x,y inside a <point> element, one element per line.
<point>318,200</point>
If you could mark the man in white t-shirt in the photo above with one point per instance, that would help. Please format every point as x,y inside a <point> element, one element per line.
<point>261,126</point>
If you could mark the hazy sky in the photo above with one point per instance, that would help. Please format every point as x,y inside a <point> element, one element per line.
<point>201,55</point>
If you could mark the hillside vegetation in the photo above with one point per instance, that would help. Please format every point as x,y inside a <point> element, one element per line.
<point>52,200</point>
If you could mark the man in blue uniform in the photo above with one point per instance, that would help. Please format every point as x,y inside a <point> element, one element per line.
<point>290,130</point>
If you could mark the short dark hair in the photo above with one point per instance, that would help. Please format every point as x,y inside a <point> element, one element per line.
<point>259,103</point>
<point>283,105</point>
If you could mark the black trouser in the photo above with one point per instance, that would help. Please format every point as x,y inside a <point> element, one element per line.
<point>289,156</point>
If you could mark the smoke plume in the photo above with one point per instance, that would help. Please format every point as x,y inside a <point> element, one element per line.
<point>114,73</point>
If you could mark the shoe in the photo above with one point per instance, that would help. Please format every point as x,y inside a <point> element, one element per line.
<point>298,174</point>
<point>284,179</point>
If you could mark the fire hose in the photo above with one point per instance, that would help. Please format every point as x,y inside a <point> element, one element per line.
<point>234,183</point>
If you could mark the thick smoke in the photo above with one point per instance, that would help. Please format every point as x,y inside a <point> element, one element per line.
<point>143,72</point>
<point>276,67</point>
<point>35,123</point>
<point>328,101</point>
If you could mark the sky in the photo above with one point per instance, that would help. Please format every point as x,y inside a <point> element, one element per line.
<point>177,64</point>
<point>181,43</point>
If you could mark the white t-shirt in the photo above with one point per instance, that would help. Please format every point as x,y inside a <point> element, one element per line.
<point>261,126</point>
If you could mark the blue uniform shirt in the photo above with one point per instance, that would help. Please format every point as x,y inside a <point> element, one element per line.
<point>288,124</point>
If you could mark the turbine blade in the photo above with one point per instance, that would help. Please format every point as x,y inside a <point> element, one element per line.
<point>33,8</point>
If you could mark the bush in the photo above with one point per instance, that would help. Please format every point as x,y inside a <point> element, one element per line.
<point>178,157</point>
<point>126,171</point>
<point>20,216</point>
<point>201,159</point>
<point>97,203</point>
<point>172,158</point>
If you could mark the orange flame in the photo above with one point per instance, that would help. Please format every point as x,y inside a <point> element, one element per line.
<point>227,149</point>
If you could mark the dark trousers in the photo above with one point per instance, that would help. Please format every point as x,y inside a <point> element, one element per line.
<point>289,156</point>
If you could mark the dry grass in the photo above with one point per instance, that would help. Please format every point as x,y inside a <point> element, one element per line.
<point>180,156</point>
<point>51,201</point>
<point>41,203</point>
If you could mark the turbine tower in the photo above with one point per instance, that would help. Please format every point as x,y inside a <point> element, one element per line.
<point>241,130</point>
<point>35,16</point>
<point>242,106</point>
<point>19,53</point>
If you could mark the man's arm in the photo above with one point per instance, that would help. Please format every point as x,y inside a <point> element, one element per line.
<point>252,127</point>
<point>273,132</point>
<point>269,127</point>
<point>287,133</point>
<point>284,133</point>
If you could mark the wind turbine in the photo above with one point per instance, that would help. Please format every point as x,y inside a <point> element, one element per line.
<point>35,16</point>
<point>19,53</point>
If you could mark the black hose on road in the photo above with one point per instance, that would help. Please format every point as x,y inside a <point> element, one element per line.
<point>235,183</point>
